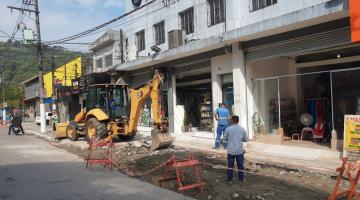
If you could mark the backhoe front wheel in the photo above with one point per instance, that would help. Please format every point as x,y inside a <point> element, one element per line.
<point>95,129</point>
<point>71,132</point>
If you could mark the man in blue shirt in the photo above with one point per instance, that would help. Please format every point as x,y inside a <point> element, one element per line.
<point>222,115</point>
<point>235,135</point>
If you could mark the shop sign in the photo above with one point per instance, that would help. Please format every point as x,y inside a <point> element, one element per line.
<point>355,20</point>
<point>352,132</point>
<point>75,86</point>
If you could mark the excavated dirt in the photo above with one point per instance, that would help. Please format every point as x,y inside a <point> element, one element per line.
<point>262,182</point>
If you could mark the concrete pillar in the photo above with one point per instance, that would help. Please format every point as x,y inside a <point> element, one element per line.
<point>216,91</point>
<point>171,99</point>
<point>240,87</point>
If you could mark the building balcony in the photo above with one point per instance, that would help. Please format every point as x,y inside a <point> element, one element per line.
<point>107,38</point>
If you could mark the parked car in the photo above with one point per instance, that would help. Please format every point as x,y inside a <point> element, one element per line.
<point>48,116</point>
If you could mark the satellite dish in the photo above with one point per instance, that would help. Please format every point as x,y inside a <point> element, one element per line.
<point>306,119</point>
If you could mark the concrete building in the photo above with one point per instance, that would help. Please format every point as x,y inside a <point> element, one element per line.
<point>270,60</point>
<point>31,97</point>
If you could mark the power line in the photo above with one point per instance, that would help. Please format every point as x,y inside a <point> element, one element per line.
<point>99,26</point>
<point>133,20</point>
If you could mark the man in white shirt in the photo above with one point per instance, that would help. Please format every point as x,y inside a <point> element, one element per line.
<point>235,135</point>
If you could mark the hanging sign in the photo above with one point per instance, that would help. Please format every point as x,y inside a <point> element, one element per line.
<point>355,20</point>
<point>352,132</point>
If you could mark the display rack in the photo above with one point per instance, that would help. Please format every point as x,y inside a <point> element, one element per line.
<point>206,117</point>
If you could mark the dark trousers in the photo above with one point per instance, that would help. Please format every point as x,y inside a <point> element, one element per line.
<point>11,126</point>
<point>240,164</point>
<point>219,132</point>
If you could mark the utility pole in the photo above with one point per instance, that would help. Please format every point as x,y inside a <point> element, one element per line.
<point>39,55</point>
<point>40,60</point>
<point>54,93</point>
<point>3,93</point>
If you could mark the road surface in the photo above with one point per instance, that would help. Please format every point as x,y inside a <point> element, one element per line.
<point>33,169</point>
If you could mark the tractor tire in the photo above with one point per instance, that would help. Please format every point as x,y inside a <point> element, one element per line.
<point>95,129</point>
<point>71,132</point>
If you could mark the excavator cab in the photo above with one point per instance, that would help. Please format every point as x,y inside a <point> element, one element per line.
<point>112,99</point>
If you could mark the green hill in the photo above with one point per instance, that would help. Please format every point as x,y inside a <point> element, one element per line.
<point>21,63</point>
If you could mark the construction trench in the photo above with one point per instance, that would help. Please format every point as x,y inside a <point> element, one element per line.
<point>262,181</point>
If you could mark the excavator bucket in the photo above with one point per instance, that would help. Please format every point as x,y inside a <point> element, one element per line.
<point>160,140</point>
<point>60,130</point>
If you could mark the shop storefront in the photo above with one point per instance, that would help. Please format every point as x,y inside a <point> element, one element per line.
<point>303,82</point>
<point>194,98</point>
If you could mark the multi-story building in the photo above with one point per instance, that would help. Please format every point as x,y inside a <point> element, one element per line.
<point>270,60</point>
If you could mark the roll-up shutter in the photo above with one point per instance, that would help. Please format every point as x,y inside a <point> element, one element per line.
<point>300,45</point>
<point>193,67</point>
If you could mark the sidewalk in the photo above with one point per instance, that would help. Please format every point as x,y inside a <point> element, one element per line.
<point>317,160</point>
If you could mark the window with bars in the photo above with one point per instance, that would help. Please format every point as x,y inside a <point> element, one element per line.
<point>140,40</point>
<point>159,33</point>
<point>259,4</point>
<point>187,20</point>
<point>108,60</point>
<point>99,63</point>
<point>216,11</point>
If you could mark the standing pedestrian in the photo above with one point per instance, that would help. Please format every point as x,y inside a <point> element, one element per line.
<point>222,115</point>
<point>235,135</point>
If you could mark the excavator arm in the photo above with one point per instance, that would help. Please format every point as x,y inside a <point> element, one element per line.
<point>137,98</point>
<point>159,135</point>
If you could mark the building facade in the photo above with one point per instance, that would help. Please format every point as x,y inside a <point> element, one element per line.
<point>271,61</point>
<point>61,91</point>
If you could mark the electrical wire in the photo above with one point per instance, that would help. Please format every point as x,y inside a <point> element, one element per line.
<point>98,27</point>
<point>133,20</point>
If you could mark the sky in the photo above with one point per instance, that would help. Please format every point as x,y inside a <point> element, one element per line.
<point>62,18</point>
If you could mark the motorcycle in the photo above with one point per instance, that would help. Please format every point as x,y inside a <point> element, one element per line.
<point>15,129</point>
<point>15,126</point>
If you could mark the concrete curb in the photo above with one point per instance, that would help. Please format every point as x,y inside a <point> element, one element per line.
<point>64,143</point>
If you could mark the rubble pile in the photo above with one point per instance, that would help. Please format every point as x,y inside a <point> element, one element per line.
<point>133,148</point>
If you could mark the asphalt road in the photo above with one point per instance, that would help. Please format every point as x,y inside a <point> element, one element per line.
<point>32,169</point>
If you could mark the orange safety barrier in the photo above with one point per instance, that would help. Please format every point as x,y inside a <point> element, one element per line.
<point>107,161</point>
<point>179,166</point>
<point>347,168</point>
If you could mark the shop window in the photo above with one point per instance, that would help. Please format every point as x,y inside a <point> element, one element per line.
<point>259,4</point>
<point>108,60</point>
<point>346,93</point>
<point>228,91</point>
<point>216,12</point>
<point>140,40</point>
<point>99,63</point>
<point>159,33</point>
<point>187,20</point>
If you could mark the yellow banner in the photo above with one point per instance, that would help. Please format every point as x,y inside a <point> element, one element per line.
<point>63,74</point>
<point>352,132</point>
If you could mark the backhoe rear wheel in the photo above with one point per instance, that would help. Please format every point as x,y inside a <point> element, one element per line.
<point>95,129</point>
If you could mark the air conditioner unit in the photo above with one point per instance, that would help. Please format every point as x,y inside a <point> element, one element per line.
<point>176,38</point>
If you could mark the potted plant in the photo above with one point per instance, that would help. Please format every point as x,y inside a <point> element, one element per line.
<point>185,127</point>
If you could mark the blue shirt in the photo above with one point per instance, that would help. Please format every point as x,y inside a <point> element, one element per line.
<point>223,115</point>
<point>235,135</point>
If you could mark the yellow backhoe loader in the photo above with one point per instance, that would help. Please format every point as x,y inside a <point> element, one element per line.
<point>111,110</point>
